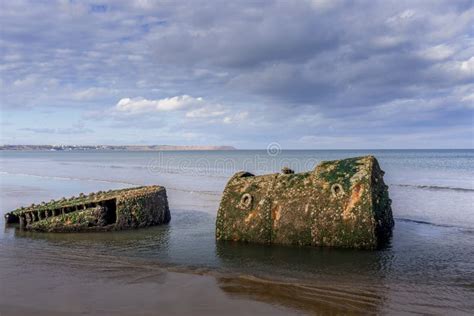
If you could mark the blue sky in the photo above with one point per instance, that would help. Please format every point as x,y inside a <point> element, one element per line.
<point>306,74</point>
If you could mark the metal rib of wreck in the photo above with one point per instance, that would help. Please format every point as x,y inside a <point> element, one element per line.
<point>342,203</point>
<point>111,210</point>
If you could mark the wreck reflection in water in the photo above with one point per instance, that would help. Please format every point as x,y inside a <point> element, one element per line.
<point>318,281</point>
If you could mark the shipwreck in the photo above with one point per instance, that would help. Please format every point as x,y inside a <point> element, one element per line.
<point>342,203</point>
<point>101,211</point>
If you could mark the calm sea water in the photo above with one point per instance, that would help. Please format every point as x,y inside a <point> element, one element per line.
<point>427,268</point>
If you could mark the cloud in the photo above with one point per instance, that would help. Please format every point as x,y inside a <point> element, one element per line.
<point>206,112</point>
<point>468,66</point>
<point>192,108</point>
<point>142,105</point>
<point>26,81</point>
<point>59,131</point>
<point>93,93</point>
<point>438,52</point>
<point>236,118</point>
<point>39,130</point>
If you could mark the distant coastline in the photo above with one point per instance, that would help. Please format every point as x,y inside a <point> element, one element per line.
<point>111,147</point>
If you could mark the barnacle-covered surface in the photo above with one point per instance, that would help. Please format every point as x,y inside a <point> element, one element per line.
<point>342,203</point>
<point>111,210</point>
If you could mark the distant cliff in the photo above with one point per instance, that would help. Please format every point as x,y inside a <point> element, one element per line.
<point>111,147</point>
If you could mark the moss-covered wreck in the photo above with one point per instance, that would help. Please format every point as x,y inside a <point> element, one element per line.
<point>111,210</point>
<point>341,203</point>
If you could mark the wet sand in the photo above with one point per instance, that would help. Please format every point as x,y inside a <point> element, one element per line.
<point>71,296</point>
<point>47,289</point>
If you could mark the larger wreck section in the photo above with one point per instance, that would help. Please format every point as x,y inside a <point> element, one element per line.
<point>101,211</point>
<point>342,203</point>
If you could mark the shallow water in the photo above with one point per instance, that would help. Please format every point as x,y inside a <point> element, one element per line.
<point>427,268</point>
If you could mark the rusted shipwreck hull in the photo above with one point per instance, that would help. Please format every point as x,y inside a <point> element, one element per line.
<point>111,210</point>
<point>342,203</point>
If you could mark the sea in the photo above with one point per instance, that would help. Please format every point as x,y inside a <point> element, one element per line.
<point>179,268</point>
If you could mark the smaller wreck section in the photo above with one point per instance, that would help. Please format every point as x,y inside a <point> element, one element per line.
<point>341,203</point>
<point>101,211</point>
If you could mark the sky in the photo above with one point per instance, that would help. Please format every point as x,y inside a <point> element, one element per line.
<point>314,74</point>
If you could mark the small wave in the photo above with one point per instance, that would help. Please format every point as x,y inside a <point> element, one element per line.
<point>68,178</point>
<point>409,220</point>
<point>215,193</point>
<point>165,169</point>
<point>434,187</point>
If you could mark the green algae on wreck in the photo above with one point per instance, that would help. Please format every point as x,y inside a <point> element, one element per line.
<point>342,203</point>
<point>111,210</point>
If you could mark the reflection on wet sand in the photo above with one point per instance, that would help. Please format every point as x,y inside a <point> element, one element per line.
<point>315,280</point>
<point>305,262</point>
<point>309,298</point>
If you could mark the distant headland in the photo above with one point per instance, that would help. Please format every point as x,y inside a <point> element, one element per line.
<point>111,147</point>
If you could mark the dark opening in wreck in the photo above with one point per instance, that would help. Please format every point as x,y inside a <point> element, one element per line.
<point>111,211</point>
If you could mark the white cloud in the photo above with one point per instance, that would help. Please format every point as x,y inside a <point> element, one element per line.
<point>142,105</point>
<point>438,52</point>
<point>92,93</point>
<point>25,82</point>
<point>468,66</point>
<point>469,97</point>
<point>12,57</point>
<point>235,118</point>
<point>401,17</point>
<point>397,109</point>
<point>324,4</point>
<point>469,100</point>
<point>322,141</point>
<point>77,128</point>
<point>407,14</point>
<point>387,41</point>
<point>190,107</point>
<point>207,112</point>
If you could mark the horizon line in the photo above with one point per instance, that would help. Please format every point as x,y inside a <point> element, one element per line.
<point>233,148</point>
